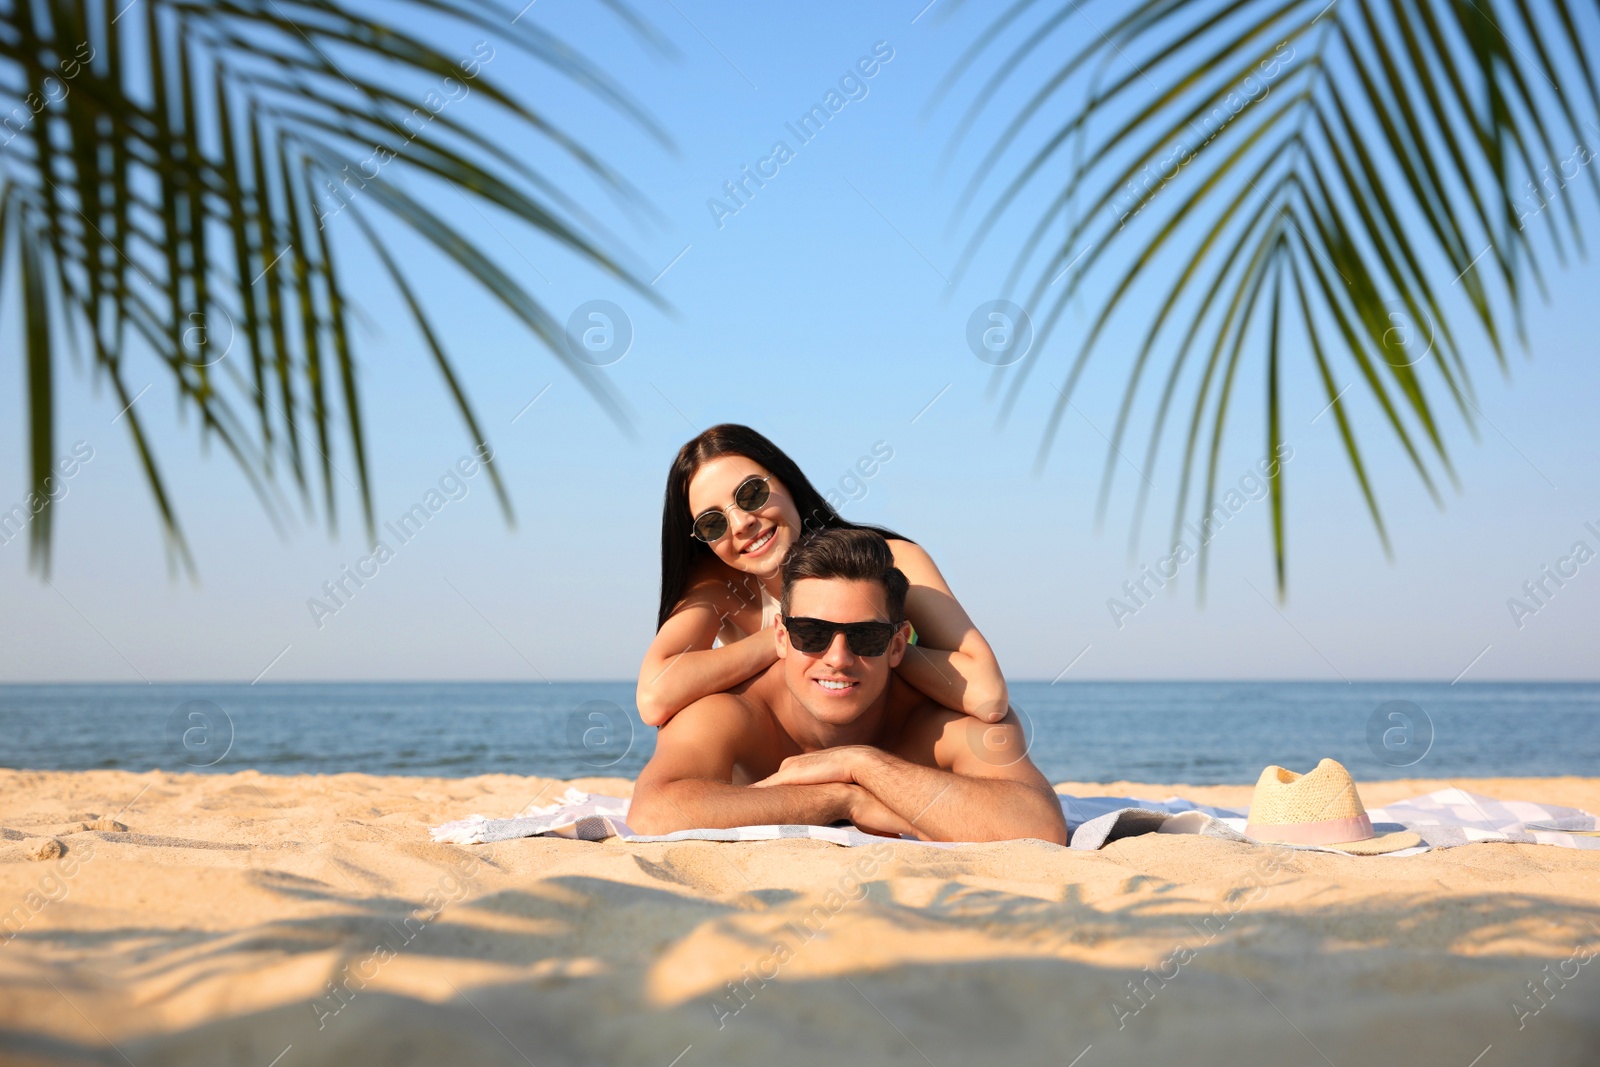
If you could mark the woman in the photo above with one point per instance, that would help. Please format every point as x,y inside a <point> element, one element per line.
<point>734,506</point>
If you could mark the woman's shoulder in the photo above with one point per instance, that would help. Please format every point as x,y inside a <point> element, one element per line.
<point>909,553</point>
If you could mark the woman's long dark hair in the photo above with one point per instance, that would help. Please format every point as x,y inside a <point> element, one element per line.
<point>680,552</point>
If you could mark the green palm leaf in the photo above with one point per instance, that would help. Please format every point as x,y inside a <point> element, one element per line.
<point>170,173</point>
<point>1387,182</point>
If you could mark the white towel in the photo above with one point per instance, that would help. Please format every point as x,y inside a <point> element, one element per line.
<point>1443,819</point>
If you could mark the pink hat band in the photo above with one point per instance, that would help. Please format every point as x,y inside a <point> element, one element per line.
<point>1320,832</point>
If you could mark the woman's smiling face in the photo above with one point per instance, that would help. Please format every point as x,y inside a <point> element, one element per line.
<point>756,541</point>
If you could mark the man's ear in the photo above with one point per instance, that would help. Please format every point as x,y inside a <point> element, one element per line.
<point>899,643</point>
<point>783,638</point>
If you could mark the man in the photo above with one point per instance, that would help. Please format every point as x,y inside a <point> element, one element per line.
<point>830,733</point>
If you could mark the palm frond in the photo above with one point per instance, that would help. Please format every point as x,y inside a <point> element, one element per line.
<point>168,182</point>
<point>1386,185</point>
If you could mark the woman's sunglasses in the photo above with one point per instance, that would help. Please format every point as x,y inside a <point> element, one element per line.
<point>863,638</point>
<point>712,524</point>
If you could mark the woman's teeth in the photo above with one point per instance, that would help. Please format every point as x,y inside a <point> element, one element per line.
<point>761,542</point>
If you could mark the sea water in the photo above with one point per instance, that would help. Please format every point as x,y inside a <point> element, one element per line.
<point>1161,732</point>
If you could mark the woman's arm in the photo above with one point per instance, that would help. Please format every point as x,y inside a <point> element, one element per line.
<point>680,666</point>
<point>951,662</point>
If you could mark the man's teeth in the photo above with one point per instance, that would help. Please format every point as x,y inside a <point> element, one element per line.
<point>828,684</point>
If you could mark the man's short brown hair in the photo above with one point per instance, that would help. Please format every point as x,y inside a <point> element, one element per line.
<point>851,554</point>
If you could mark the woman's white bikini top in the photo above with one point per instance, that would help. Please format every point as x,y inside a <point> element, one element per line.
<point>769,617</point>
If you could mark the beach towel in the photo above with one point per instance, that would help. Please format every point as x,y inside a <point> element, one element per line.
<point>1443,819</point>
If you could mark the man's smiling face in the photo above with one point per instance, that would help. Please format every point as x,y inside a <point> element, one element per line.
<point>836,686</point>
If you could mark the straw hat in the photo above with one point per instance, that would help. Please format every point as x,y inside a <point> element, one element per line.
<point>1320,808</point>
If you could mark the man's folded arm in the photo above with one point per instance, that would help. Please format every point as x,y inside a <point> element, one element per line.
<point>688,782</point>
<point>945,806</point>
<point>991,791</point>
<point>693,803</point>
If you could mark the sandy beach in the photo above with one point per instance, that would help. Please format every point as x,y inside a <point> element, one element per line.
<point>288,921</point>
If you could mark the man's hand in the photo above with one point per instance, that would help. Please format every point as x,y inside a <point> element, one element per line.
<point>873,816</point>
<point>838,766</point>
<point>814,768</point>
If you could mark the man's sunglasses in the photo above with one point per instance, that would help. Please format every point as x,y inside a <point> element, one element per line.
<point>813,636</point>
<point>712,524</point>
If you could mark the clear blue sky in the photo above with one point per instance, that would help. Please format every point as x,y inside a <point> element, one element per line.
<point>819,314</point>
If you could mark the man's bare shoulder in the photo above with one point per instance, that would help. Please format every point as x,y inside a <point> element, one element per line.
<point>935,736</point>
<point>727,736</point>
<point>719,713</point>
<point>763,689</point>
<point>924,728</point>
<point>920,723</point>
